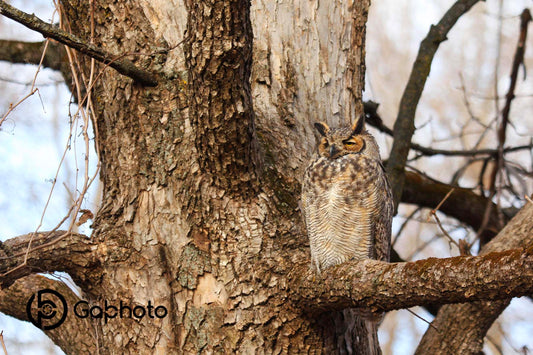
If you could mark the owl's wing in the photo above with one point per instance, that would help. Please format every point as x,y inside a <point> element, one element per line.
<point>306,197</point>
<point>382,220</point>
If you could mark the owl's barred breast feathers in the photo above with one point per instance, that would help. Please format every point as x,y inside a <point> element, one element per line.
<point>346,199</point>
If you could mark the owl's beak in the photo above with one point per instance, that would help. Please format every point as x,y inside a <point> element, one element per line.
<point>333,150</point>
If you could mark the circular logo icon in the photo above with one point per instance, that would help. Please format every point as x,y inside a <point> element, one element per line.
<point>49,312</point>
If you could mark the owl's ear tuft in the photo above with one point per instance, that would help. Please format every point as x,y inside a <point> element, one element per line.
<point>322,128</point>
<point>358,126</point>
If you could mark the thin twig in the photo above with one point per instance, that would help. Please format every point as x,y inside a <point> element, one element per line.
<point>2,341</point>
<point>494,344</point>
<point>375,120</point>
<point>525,18</point>
<point>12,107</point>
<point>433,213</point>
<point>123,66</point>
<point>443,200</point>
<point>404,224</point>
<point>421,318</point>
<point>33,89</point>
<point>87,181</point>
<point>450,239</point>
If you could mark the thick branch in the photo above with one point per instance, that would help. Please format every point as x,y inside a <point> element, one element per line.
<point>123,66</point>
<point>383,287</point>
<point>463,204</point>
<point>31,53</point>
<point>52,251</point>
<point>74,336</point>
<point>495,275</point>
<point>404,126</point>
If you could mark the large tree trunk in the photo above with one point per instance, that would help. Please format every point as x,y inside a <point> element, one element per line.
<point>199,213</point>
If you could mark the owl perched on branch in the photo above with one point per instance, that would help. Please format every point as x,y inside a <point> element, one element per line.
<point>346,199</point>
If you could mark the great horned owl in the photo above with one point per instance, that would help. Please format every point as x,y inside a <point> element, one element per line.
<point>346,200</point>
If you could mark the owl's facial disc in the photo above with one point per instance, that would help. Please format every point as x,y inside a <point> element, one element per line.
<point>338,148</point>
<point>323,147</point>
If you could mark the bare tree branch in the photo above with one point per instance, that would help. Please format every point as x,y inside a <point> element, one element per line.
<point>525,19</point>
<point>31,52</point>
<point>123,66</point>
<point>375,120</point>
<point>384,287</point>
<point>502,129</point>
<point>462,327</point>
<point>50,251</point>
<point>404,126</point>
<point>74,336</point>
<point>55,57</point>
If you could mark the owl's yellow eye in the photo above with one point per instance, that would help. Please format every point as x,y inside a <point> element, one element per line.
<point>354,144</point>
<point>349,144</point>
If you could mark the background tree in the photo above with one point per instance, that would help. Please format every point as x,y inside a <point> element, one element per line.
<point>200,178</point>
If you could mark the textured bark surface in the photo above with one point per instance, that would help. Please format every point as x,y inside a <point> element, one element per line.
<point>308,66</point>
<point>201,181</point>
<point>378,286</point>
